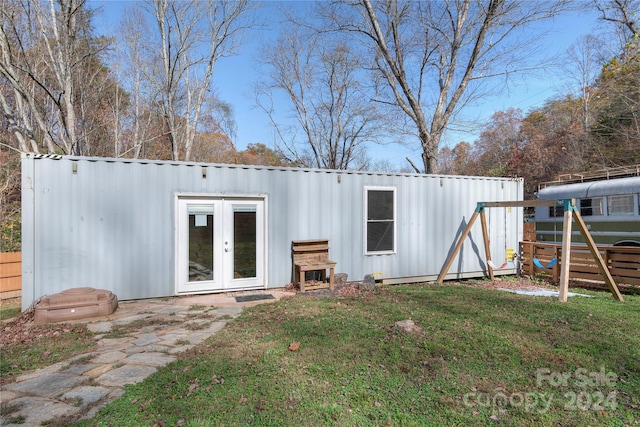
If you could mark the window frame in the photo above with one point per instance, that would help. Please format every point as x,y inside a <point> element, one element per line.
<point>556,211</point>
<point>366,220</point>
<point>591,199</point>
<point>631,204</point>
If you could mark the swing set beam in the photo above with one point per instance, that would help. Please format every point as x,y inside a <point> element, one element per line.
<point>570,212</point>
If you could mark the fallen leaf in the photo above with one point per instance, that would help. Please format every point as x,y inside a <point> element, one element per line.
<point>294,346</point>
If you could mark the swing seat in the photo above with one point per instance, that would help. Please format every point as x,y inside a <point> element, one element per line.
<point>540,265</point>
<point>495,267</point>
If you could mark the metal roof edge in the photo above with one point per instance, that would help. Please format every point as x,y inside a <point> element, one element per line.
<point>605,187</point>
<point>257,167</point>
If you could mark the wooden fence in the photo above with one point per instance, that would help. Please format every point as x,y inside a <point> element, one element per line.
<point>623,262</point>
<point>10,274</point>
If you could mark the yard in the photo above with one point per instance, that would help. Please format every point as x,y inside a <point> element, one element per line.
<point>478,357</point>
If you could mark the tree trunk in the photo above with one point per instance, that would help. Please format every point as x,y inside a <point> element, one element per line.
<point>430,142</point>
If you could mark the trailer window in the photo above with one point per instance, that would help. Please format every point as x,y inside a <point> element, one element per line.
<point>380,210</point>
<point>621,204</point>
<point>556,211</point>
<point>592,206</point>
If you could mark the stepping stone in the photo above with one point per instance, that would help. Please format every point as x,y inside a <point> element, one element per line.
<point>146,339</point>
<point>100,327</point>
<point>88,395</point>
<point>109,357</point>
<point>6,395</point>
<point>131,319</point>
<point>156,348</point>
<point>149,359</point>
<point>127,374</point>
<point>42,372</point>
<point>98,371</point>
<point>48,385</point>
<point>79,369</point>
<point>37,410</point>
<point>110,344</point>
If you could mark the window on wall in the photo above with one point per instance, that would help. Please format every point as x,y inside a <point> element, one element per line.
<point>593,206</point>
<point>556,211</point>
<point>620,204</point>
<point>380,224</point>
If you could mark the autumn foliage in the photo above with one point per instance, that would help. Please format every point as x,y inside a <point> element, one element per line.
<point>552,139</point>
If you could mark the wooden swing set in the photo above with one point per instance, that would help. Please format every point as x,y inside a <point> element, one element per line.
<point>570,212</point>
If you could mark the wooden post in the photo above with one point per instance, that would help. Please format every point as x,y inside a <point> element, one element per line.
<point>604,270</point>
<point>527,254</point>
<point>485,239</point>
<point>456,249</point>
<point>566,251</point>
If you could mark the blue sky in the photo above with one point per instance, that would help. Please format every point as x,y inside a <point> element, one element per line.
<point>235,76</point>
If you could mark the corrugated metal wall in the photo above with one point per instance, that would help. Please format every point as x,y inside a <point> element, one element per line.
<point>110,224</point>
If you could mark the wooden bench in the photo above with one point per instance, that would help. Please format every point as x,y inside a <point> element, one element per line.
<point>311,255</point>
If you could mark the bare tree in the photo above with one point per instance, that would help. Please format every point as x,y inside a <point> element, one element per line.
<point>583,67</point>
<point>623,14</point>
<point>18,39</point>
<point>9,198</point>
<point>324,84</point>
<point>48,57</point>
<point>135,59</point>
<point>191,36</point>
<point>436,57</point>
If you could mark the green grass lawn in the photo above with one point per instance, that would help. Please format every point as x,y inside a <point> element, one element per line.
<point>484,357</point>
<point>9,308</point>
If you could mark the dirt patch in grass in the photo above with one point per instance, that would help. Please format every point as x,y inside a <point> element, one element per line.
<point>510,282</point>
<point>350,288</point>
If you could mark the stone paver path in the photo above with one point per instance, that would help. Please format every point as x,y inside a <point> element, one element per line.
<point>84,384</point>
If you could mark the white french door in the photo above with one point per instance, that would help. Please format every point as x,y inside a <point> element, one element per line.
<point>220,244</point>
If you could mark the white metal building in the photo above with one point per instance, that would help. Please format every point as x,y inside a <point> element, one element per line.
<point>143,228</point>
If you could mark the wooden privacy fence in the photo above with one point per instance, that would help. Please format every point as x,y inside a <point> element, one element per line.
<point>10,274</point>
<point>623,262</point>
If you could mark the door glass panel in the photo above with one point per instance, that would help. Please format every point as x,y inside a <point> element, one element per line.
<point>200,242</point>
<point>244,241</point>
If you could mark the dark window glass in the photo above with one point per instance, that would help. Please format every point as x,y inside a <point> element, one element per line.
<point>556,211</point>
<point>592,206</point>
<point>380,221</point>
